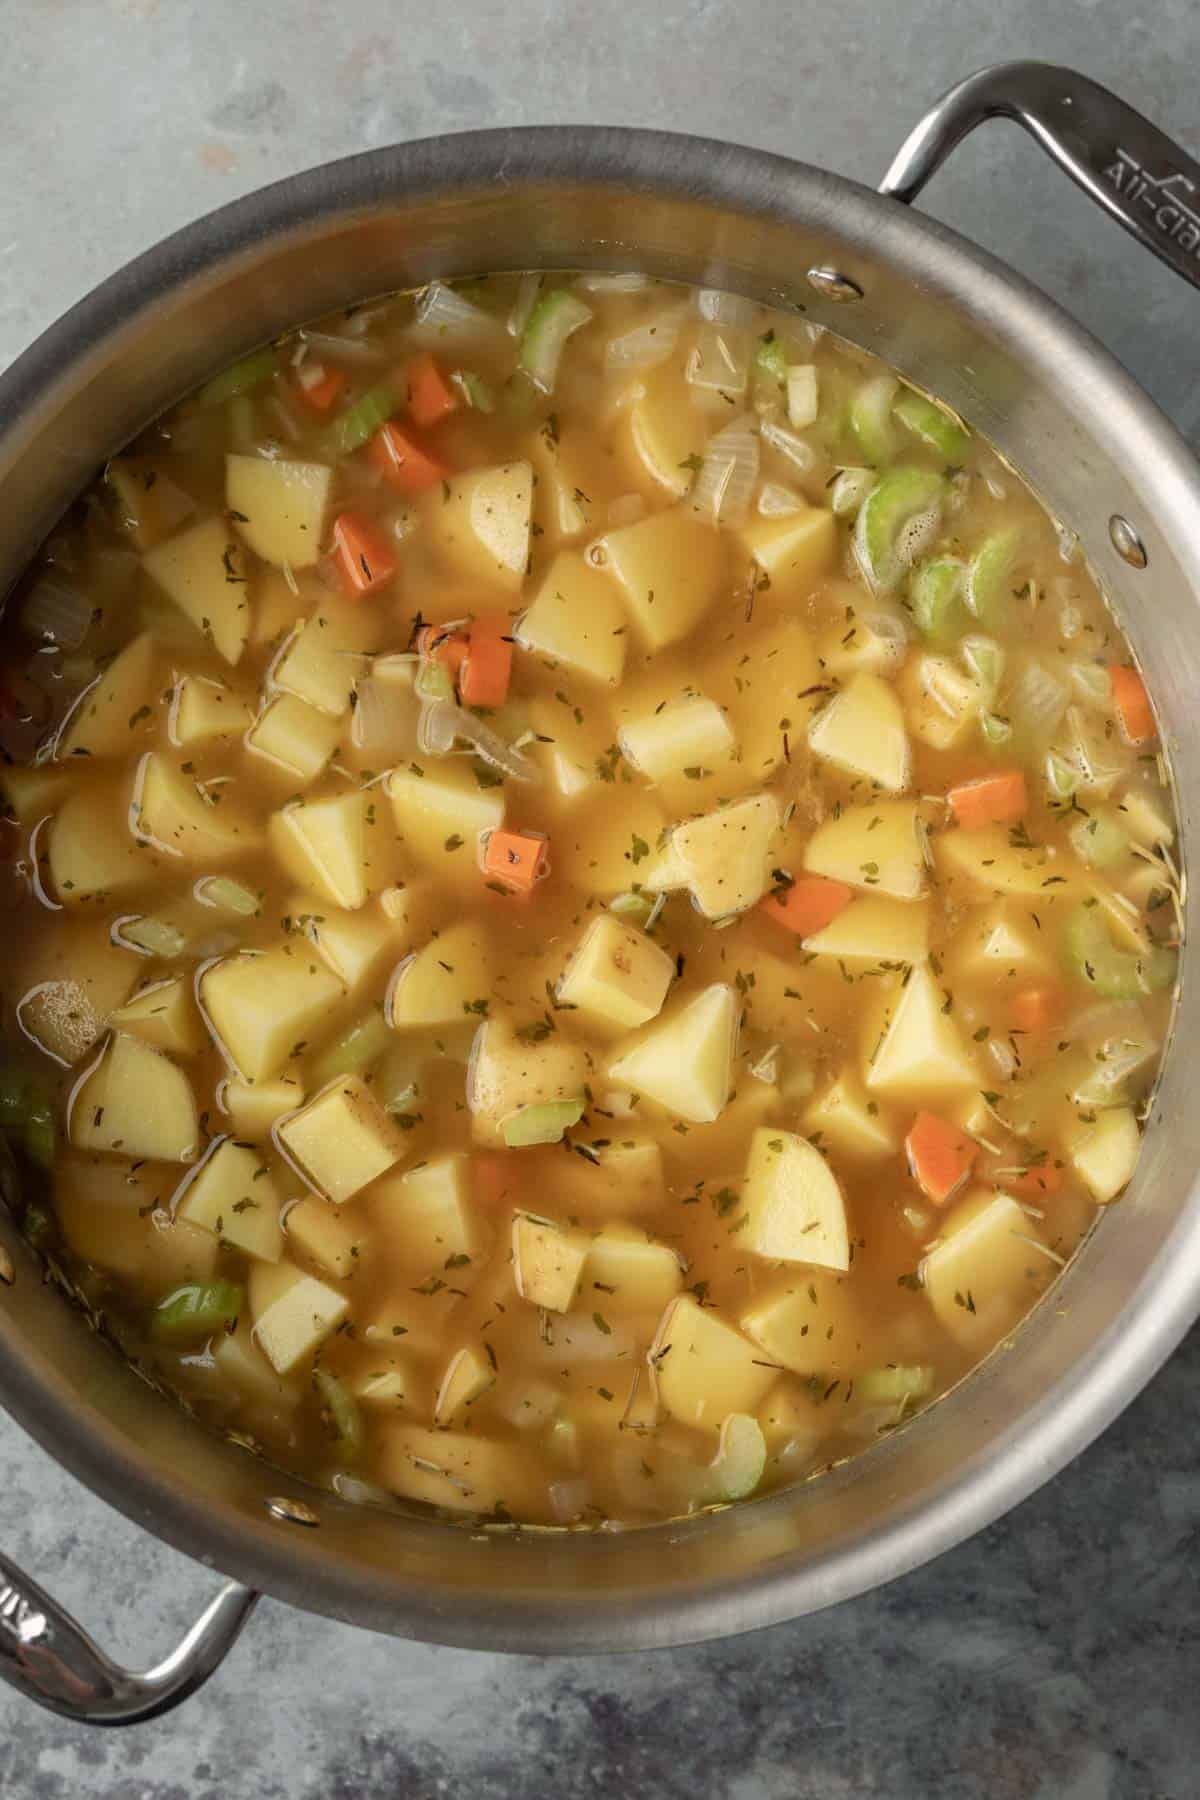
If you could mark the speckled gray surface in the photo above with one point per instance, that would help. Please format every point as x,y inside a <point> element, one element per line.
<point>1057,1656</point>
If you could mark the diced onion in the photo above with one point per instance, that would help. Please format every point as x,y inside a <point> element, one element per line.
<point>437,728</point>
<point>985,659</point>
<point>720,361</point>
<point>348,349</point>
<point>630,282</point>
<point>444,316</point>
<point>58,612</point>
<point>802,396</point>
<point>849,491</point>
<point>1091,682</point>
<point>442,723</point>
<point>569,1499</point>
<point>889,623</point>
<point>721,308</point>
<point>1037,701</point>
<point>386,715</point>
<point>728,473</point>
<point>794,448</point>
<point>778,502</point>
<point>645,345</point>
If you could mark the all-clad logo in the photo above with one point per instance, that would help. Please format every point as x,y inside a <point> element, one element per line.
<point>18,1617</point>
<point>1171,200</point>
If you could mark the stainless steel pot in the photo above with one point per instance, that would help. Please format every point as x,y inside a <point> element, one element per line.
<point>955,321</point>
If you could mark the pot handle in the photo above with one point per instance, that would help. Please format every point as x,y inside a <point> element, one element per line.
<point>1127,165</point>
<point>47,1657</point>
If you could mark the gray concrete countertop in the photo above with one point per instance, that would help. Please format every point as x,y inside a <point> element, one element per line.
<point>1056,1656</point>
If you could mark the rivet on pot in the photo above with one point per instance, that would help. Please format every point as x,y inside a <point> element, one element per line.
<point>8,1273</point>
<point>292,1512</point>
<point>1126,542</point>
<point>833,285</point>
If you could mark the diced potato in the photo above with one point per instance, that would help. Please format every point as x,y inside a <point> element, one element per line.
<point>89,849</point>
<point>34,791</point>
<point>686,1061</point>
<point>442,813</point>
<point>319,1232</point>
<point>341,1140</point>
<point>794,551</point>
<point>481,525</point>
<point>987,1270</point>
<point>116,1215</point>
<point>865,647</point>
<point>353,945</point>
<point>811,1325</point>
<point>104,718</point>
<point>468,1374</point>
<point>149,504</point>
<point>725,856</point>
<point>795,1206</point>
<point>293,1313</point>
<point>577,619</point>
<point>462,1472</point>
<point>605,849</point>
<point>564,502</point>
<point>76,979</point>
<point>988,861</point>
<point>626,1271</point>
<point>278,506</point>
<point>921,1055</point>
<point>862,731</point>
<point>294,737</point>
<point>792,1421</point>
<point>1104,1153</point>
<point>507,1073</point>
<point>173,814</point>
<point>670,566</point>
<point>234,1195</point>
<point>165,1015</point>
<point>874,847</point>
<point>691,733</point>
<point>339,846</point>
<point>942,701</point>
<point>847,1122</point>
<point>1145,813</point>
<point>324,658</point>
<point>395,1387</point>
<point>203,571</point>
<point>626,1178</point>
<point>442,982</point>
<point>875,929</point>
<point>666,430</point>
<point>769,683</point>
<point>243,1369</point>
<point>265,1006</point>
<point>547,1261</point>
<point>1002,943</point>
<point>705,1369</point>
<point>203,710</point>
<point>617,975</point>
<point>136,1102</point>
<point>253,1107</point>
<point>427,1214</point>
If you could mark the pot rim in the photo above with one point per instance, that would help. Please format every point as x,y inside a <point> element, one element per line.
<point>1121,1359</point>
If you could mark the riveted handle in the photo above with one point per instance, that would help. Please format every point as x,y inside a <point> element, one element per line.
<point>47,1657</point>
<point>1127,165</point>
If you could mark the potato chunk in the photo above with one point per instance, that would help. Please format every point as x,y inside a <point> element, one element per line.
<point>293,1313</point>
<point>875,929</point>
<point>670,566</point>
<point>468,1374</point>
<point>547,1261</point>
<point>922,1056</point>
<point>875,847</point>
<point>427,1214</point>
<point>507,1074</point>
<point>137,1102</point>
<point>987,861</point>
<point>442,982</point>
<point>811,1325</point>
<point>164,1014</point>
<point>481,526</point>
<point>265,1006</point>
<point>203,711</point>
<point>627,1271</point>
<point>352,945</point>
<point>862,731</point>
<point>341,1140</point>
<point>104,718</point>
<point>795,551</point>
<point>149,504</point>
<point>203,571</point>
<point>617,975</point>
<point>320,1233</point>
<point>577,619</point>
<point>443,806</point>
<point>294,738</point>
<point>851,1124</point>
<point>253,1107</point>
<point>724,857</point>
<point>324,658</point>
<point>692,733</point>
<point>686,1061</point>
<point>705,1369</point>
<point>1104,1153</point>
<point>75,982</point>
<point>176,816</point>
<point>90,850</point>
<point>795,1206</point>
<point>986,1271</point>
<point>462,1472</point>
<point>279,506</point>
<point>234,1195</point>
<point>338,847</point>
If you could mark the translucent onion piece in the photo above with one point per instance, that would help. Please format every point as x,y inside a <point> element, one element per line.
<point>849,491</point>
<point>645,345</point>
<point>58,612</point>
<point>569,1500</point>
<point>891,623</point>
<point>794,448</point>
<point>1091,682</point>
<point>1036,701</point>
<point>444,316</point>
<point>628,283</point>
<point>386,718</point>
<point>346,349</point>
<point>528,289</point>
<point>720,361</point>
<point>778,502</point>
<point>721,308</point>
<point>442,724</point>
<point>437,728</point>
<point>728,473</point>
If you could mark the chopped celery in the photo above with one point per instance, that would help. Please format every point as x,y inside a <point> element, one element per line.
<point>895,1382</point>
<point>340,1410</point>
<point>356,1049</point>
<point>543,1123</point>
<point>989,592</point>
<point>240,378</point>
<point>362,419</point>
<point>871,418</point>
<point>1062,778</point>
<point>555,317</point>
<point>475,390</point>
<point>936,597</point>
<point>632,906</point>
<point>228,895</point>
<point>198,1310</point>
<point>153,936</point>
<point>996,731</point>
<point>1099,839</point>
<point>896,523</point>
<point>985,658</point>
<point>770,359</point>
<point>741,1457</point>
<point>849,490</point>
<point>933,425</point>
<point>1114,974</point>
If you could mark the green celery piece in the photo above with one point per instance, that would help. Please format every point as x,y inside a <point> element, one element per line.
<point>198,1310</point>
<point>240,378</point>
<point>362,419</point>
<point>1062,777</point>
<point>543,1123</point>
<point>552,321</point>
<point>1099,839</point>
<point>988,592</point>
<point>632,906</point>
<point>227,895</point>
<point>356,1049</point>
<point>478,392</point>
<point>1114,974</point>
<point>434,681</point>
<point>936,427</point>
<point>871,418</point>
<point>904,495</point>
<point>341,1410</point>
<point>894,1382</point>
<point>741,1457</point>
<point>770,359</point>
<point>935,594</point>
<point>996,731</point>
<point>850,489</point>
<point>518,399</point>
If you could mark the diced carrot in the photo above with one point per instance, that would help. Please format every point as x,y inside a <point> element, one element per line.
<point>1035,1009</point>
<point>365,560</point>
<point>1133,704</point>
<point>495,1179</point>
<point>442,646</point>
<point>940,1156</point>
<point>409,468</point>
<point>430,396</point>
<point>488,669</point>
<point>319,386</point>
<point>998,799</point>
<point>808,905</point>
<point>517,859</point>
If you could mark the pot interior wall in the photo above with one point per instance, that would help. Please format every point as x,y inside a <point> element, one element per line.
<point>955,323</point>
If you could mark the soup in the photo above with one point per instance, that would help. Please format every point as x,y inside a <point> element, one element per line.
<point>590,895</point>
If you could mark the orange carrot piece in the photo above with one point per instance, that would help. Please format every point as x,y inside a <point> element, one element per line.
<point>1035,1009</point>
<point>487,670</point>
<point>446,647</point>
<point>516,859</point>
<point>998,799</point>
<point>365,560</point>
<point>940,1156</point>
<point>1035,1182</point>
<point>321,393</point>
<point>409,468</point>
<point>1133,704</point>
<point>808,905</point>
<point>495,1178</point>
<point>430,396</point>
